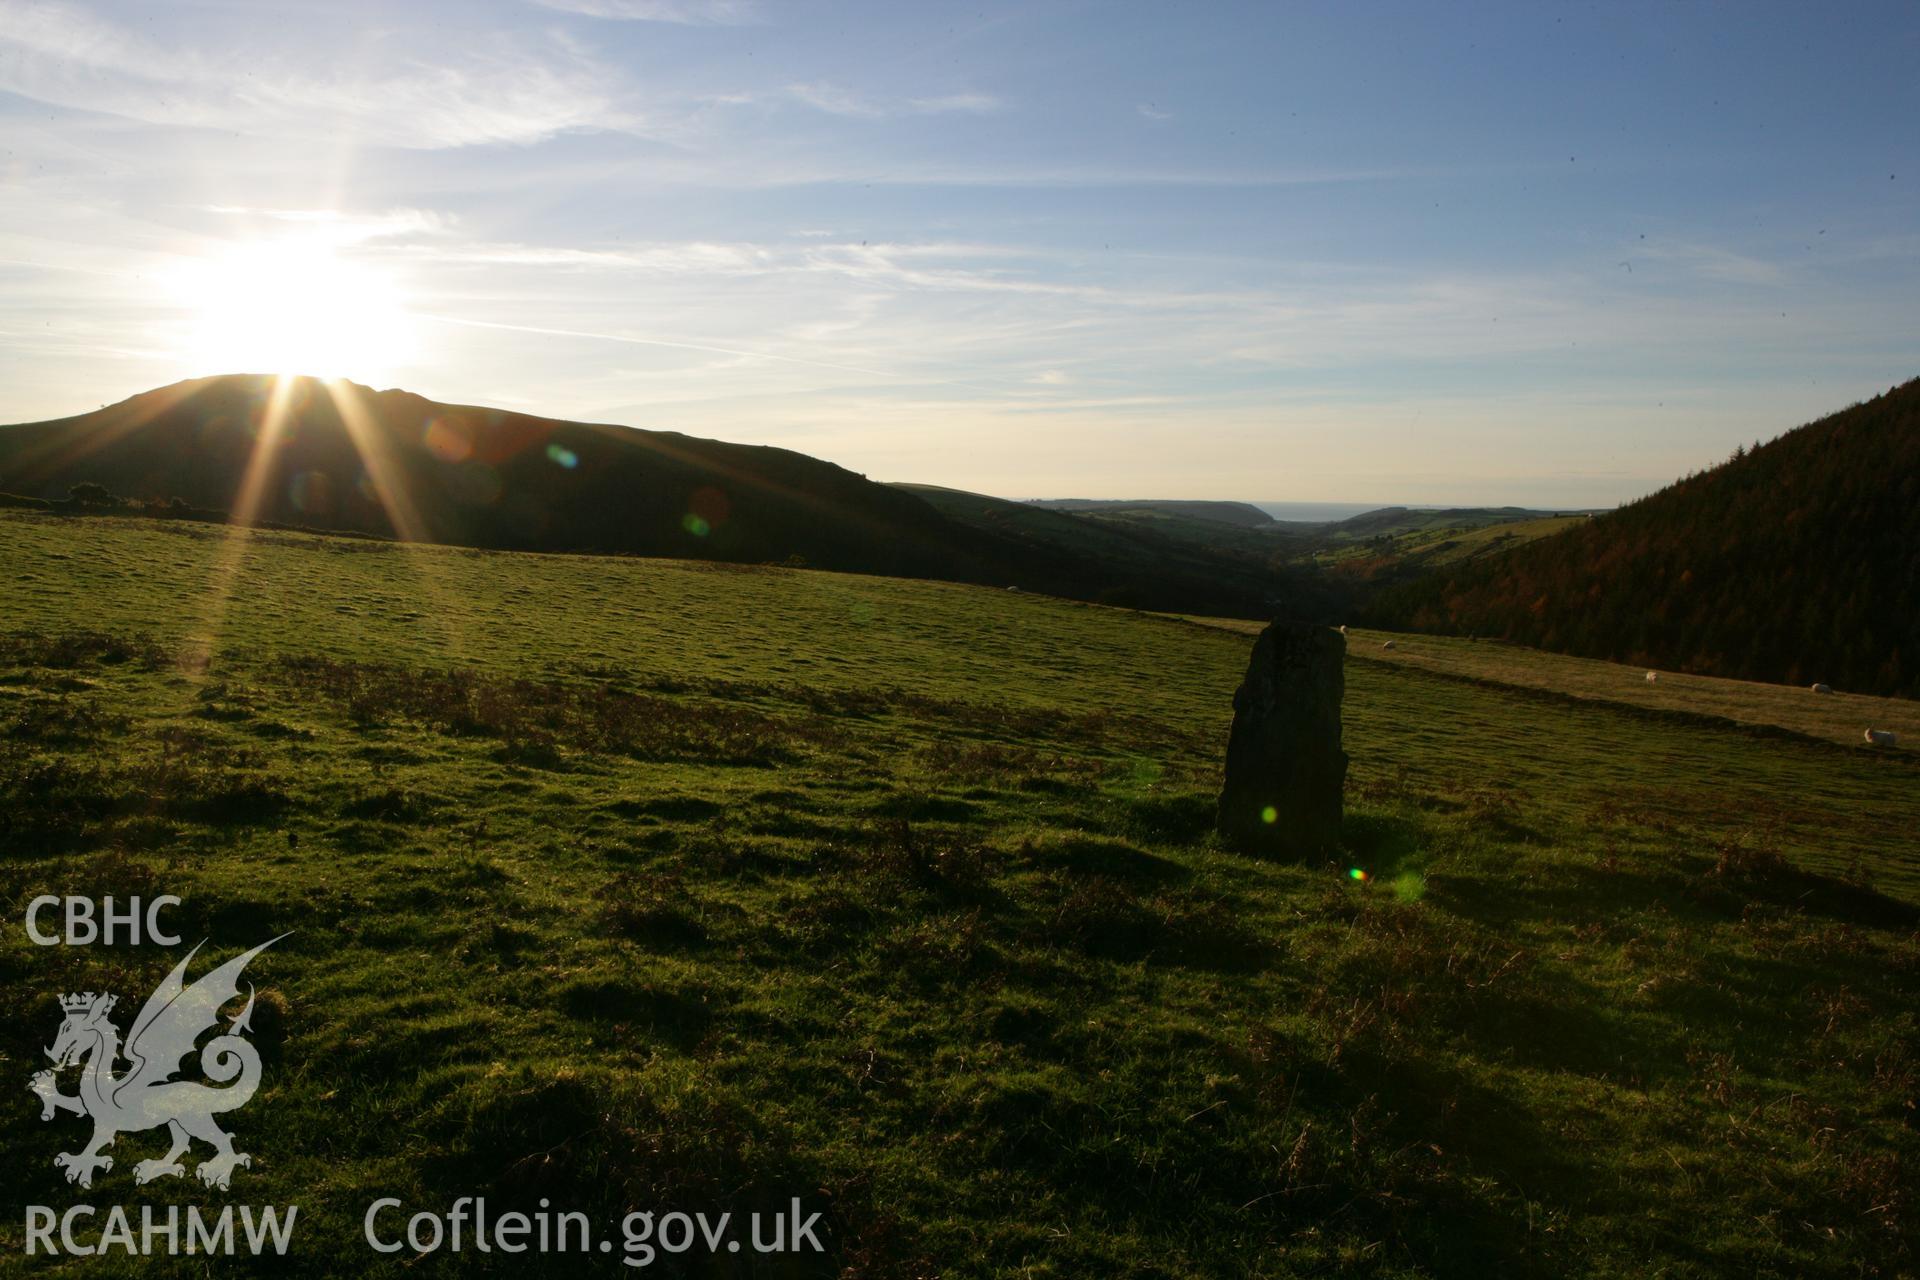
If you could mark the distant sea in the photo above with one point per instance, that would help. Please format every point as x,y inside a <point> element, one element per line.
<point>1319,512</point>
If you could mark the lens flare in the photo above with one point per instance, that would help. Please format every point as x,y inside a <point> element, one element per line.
<point>448,441</point>
<point>1355,873</point>
<point>311,493</point>
<point>1269,815</point>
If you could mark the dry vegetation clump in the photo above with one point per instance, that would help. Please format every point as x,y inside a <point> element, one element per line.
<point>654,909</point>
<point>68,650</point>
<point>533,719</point>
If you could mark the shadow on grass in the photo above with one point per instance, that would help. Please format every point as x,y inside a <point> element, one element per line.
<point>1690,886</point>
<point>651,910</point>
<point>1093,855</point>
<point>1185,819</point>
<point>668,808</point>
<point>1384,846</point>
<point>673,1016</point>
<point>1109,918</point>
<point>1740,876</point>
<point>588,1142</point>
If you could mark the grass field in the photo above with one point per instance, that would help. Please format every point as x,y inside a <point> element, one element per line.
<point>1839,717</point>
<point>646,884</point>
<point>1425,544</point>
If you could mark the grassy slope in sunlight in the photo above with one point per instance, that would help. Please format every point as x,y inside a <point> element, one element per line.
<point>1839,717</point>
<point>668,885</point>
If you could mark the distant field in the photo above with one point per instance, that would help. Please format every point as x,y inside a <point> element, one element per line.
<point>649,884</point>
<point>1467,544</point>
<point>1836,717</point>
<point>1421,544</point>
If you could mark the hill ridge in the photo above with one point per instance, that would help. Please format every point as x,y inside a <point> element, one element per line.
<point>339,456</point>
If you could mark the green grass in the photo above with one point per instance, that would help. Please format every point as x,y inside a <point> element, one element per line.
<point>1468,544</point>
<point>1425,543</point>
<point>663,885</point>
<point>1839,718</point>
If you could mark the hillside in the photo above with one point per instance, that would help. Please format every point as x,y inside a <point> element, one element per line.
<point>1244,514</point>
<point>1371,548</point>
<point>1237,530</point>
<point>1148,547</point>
<point>1323,570</point>
<point>1792,562</point>
<point>1398,552</point>
<point>643,884</point>
<point>1394,521</point>
<point>337,456</point>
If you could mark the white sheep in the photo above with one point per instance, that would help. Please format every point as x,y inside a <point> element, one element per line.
<point>1882,738</point>
<point>1343,630</point>
<point>1653,677</point>
<point>1823,688</point>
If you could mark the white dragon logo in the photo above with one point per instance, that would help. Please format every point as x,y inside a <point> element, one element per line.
<point>146,1096</point>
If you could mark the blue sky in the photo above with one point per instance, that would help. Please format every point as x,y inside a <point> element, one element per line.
<point>1498,253</point>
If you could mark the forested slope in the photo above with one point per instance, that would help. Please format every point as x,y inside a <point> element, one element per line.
<point>1797,560</point>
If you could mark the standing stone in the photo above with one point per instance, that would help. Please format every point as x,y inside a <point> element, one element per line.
<point>1285,768</point>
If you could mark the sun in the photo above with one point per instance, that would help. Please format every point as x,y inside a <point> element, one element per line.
<point>292,306</point>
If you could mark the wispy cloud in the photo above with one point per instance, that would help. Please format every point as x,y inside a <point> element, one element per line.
<point>346,228</point>
<point>1069,176</point>
<point>1708,261</point>
<point>978,104</point>
<point>825,96</point>
<point>492,89</point>
<point>691,257</point>
<point>1000,314</point>
<point>827,239</point>
<point>692,13</point>
<point>640,340</point>
<point>835,101</point>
